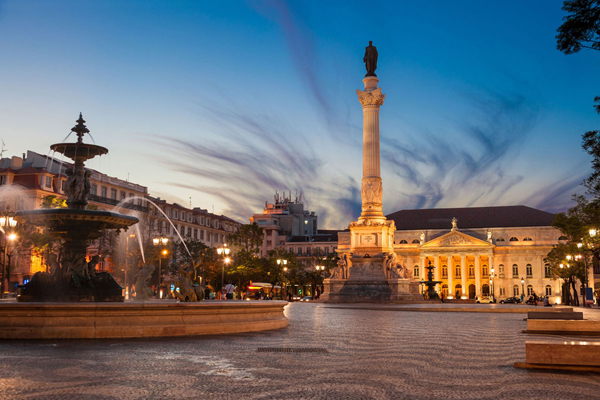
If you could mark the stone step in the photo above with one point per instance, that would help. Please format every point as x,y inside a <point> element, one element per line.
<point>579,355</point>
<point>561,326</point>
<point>574,315</point>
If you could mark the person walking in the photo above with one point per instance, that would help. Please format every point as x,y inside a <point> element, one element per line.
<point>229,289</point>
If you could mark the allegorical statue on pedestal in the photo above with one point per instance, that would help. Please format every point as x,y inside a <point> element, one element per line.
<point>370,59</point>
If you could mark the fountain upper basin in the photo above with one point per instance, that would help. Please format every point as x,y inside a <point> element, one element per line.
<point>68,222</point>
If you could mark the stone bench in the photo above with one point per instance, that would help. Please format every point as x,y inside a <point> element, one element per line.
<point>563,326</point>
<point>573,315</point>
<point>573,355</point>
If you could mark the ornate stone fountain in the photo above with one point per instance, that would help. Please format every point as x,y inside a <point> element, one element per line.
<point>73,278</point>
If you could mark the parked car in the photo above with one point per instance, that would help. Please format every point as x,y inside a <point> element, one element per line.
<point>486,300</point>
<point>515,300</point>
<point>296,298</point>
<point>306,298</point>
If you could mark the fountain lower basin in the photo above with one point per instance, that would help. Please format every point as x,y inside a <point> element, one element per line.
<point>160,318</point>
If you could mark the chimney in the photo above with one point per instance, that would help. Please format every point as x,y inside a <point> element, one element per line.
<point>16,162</point>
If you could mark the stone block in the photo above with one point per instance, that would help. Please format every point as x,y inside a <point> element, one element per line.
<point>573,353</point>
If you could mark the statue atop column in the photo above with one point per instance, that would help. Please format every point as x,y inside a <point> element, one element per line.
<point>370,59</point>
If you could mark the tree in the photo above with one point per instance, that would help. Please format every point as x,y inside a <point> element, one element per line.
<point>248,238</point>
<point>52,201</point>
<point>581,28</point>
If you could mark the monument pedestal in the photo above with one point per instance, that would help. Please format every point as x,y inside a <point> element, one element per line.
<point>369,280</point>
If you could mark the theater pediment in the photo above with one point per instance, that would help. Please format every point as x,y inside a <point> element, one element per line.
<point>456,239</point>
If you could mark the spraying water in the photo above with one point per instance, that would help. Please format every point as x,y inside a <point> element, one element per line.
<point>122,202</point>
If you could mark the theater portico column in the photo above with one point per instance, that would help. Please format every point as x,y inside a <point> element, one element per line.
<point>477,277</point>
<point>422,268</point>
<point>450,280</point>
<point>436,270</point>
<point>463,274</point>
<point>490,266</point>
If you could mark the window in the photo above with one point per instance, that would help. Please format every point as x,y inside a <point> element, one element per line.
<point>500,239</point>
<point>168,228</point>
<point>513,239</point>
<point>201,234</point>
<point>291,250</point>
<point>471,271</point>
<point>528,239</point>
<point>182,230</point>
<point>485,290</point>
<point>529,270</point>
<point>515,270</point>
<point>457,271</point>
<point>208,222</point>
<point>445,290</point>
<point>444,271</point>
<point>529,290</point>
<point>208,236</point>
<point>403,242</point>
<point>326,250</point>
<point>547,271</point>
<point>48,181</point>
<point>94,189</point>
<point>217,224</point>
<point>175,214</point>
<point>501,270</point>
<point>201,220</point>
<point>123,195</point>
<point>189,231</point>
<point>195,233</point>
<point>502,291</point>
<point>299,251</point>
<point>113,194</point>
<point>131,198</point>
<point>140,202</point>
<point>175,228</point>
<point>516,290</point>
<point>416,241</point>
<point>416,271</point>
<point>183,216</point>
<point>3,180</point>
<point>308,251</point>
<point>484,270</point>
<point>548,290</point>
<point>190,218</point>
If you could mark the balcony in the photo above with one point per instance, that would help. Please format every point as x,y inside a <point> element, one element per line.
<point>128,205</point>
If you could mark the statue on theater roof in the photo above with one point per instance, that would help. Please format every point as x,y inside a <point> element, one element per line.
<point>454,224</point>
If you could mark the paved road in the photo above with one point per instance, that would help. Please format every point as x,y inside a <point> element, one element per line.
<point>357,354</point>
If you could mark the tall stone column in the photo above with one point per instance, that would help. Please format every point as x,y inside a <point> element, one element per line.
<point>422,269</point>
<point>372,192</point>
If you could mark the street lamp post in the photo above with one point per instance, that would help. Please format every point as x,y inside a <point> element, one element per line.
<point>6,222</point>
<point>320,269</point>
<point>225,252</point>
<point>282,261</point>
<point>160,241</point>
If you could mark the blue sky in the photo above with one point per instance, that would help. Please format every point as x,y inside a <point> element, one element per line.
<point>226,102</point>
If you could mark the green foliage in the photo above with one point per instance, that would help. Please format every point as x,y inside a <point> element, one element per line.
<point>52,201</point>
<point>249,238</point>
<point>581,27</point>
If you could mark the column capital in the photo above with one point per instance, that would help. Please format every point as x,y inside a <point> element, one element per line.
<point>370,98</point>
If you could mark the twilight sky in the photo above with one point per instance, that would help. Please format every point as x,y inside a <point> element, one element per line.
<point>227,101</point>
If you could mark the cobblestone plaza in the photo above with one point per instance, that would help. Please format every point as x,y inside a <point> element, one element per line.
<point>327,352</point>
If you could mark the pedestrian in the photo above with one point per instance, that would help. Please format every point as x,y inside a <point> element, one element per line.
<point>229,289</point>
<point>522,297</point>
<point>207,293</point>
<point>457,294</point>
<point>546,302</point>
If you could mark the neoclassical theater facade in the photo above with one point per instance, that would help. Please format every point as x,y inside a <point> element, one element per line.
<point>465,244</point>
